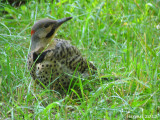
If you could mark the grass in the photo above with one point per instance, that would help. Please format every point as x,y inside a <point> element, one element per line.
<point>120,37</point>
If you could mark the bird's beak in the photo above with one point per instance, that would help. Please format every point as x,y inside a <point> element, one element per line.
<point>58,24</point>
<point>61,21</point>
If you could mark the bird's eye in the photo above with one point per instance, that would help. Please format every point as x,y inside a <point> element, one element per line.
<point>46,25</point>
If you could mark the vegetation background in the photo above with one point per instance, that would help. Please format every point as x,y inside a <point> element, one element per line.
<point>121,37</point>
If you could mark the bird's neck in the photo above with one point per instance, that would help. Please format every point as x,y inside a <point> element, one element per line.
<point>40,45</point>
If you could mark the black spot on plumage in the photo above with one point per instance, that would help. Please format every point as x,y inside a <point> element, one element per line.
<point>47,65</point>
<point>60,54</point>
<point>40,57</point>
<point>73,68</point>
<point>82,63</point>
<point>67,49</point>
<point>47,82</point>
<point>58,88</point>
<point>35,55</point>
<point>62,62</point>
<point>72,60</point>
<point>50,33</point>
<point>62,47</point>
<point>66,76</point>
<point>48,50</point>
<point>76,64</point>
<point>70,53</point>
<point>83,70</point>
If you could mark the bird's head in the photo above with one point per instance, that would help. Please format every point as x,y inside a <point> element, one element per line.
<point>44,30</point>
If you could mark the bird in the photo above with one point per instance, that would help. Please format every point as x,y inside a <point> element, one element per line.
<point>55,63</point>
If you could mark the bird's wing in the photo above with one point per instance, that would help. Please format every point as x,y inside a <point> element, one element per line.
<point>66,54</point>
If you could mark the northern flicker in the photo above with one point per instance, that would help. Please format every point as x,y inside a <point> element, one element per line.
<point>54,62</point>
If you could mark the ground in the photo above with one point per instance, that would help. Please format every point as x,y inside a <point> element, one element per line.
<point>120,37</point>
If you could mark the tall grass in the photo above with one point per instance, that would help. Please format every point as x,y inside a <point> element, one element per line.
<point>120,37</point>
